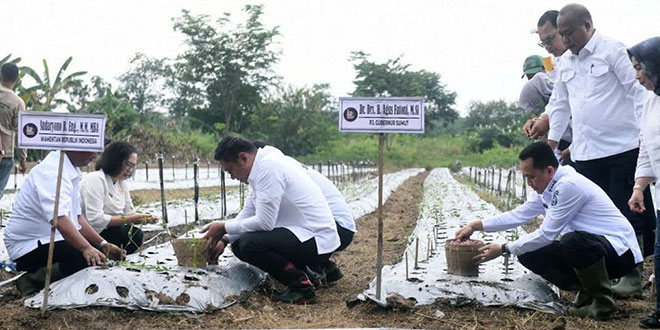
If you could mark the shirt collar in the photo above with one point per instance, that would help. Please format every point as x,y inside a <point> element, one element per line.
<point>257,159</point>
<point>69,171</point>
<point>561,171</point>
<point>593,42</point>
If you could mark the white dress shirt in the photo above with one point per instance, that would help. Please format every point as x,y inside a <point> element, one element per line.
<point>648,161</point>
<point>284,196</point>
<point>335,199</point>
<point>599,85</point>
<point>30,220</point>
<point>571,202</point>
<point>101,199</point>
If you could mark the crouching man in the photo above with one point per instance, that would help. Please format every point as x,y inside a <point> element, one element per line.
<point>583,242</point>
<point>27,235</point>
<point>285,221</point>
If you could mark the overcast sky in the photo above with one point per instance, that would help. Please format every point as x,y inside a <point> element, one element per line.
<point>477,46</point>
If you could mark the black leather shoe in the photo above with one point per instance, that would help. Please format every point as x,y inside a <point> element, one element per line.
<point>301,295</point>
<point>650,322</point>
<point>332,272</point>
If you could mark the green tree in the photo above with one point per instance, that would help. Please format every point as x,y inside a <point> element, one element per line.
<point>495,122</point>
<point>393,78</point>
<point>226,67</point>
<point>44,96</point>
<point>119,112</point>
<point>297,120</point>
<point>144,82</point>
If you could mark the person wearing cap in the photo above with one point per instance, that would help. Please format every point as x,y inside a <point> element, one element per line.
<point>597,93</point>
<point>583,241</point>
<point>534,97</point>
<point>645,58</point>
<point>533,64</point>
<point>10,106</point>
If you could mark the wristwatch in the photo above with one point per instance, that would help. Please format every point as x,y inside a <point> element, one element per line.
<point>225,240</point>
<point>505,251</point>
<point>102,244</point>
<point>639,187</point>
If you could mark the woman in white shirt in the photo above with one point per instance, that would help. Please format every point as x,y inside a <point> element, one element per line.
<point>645,58</point>
<point>106,201</point>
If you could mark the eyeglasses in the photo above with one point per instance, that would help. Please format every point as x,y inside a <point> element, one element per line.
<point>129,165</point>
<point>547,41</point>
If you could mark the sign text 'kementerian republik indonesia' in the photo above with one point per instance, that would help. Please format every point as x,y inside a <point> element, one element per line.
<point>381,114</point>
<point>63,131</point>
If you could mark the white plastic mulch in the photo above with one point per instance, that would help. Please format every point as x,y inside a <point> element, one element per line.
<point>153,281</point>
<point>447,206</point>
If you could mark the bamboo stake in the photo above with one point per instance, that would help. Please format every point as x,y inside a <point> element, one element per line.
<point>53,227</point>
<point>416,252</point>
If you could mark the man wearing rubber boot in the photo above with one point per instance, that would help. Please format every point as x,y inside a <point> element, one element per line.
<point>583,242</point>
<point>597,93</point>
<point>285,220</point>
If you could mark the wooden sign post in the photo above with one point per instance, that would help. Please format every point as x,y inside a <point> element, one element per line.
<point>63,132</point>
<point>381,115</point>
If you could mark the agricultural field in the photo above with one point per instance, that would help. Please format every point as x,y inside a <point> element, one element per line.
<point>410,211</point>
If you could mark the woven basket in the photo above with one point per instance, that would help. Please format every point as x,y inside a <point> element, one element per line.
<point>190,252</point>
<point>459,258</point>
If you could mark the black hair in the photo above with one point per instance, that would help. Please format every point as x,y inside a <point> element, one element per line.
<point>9,72</point>
<point>541,154</point>
<point>549,16</point>
<point>229,148</point>
<point>647,54</point>
<point>113,157</point>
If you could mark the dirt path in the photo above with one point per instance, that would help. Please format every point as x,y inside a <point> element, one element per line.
<point>330,311</point>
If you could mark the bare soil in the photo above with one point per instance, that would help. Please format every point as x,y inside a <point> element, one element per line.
<point>330,311</point>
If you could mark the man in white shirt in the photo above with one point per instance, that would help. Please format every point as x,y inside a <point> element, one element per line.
<point>596,243</point>
<point>346,228</point>
<point>596,91</point>
<point>285,221</point>
<point>27,235</point>
<point>551,41</point>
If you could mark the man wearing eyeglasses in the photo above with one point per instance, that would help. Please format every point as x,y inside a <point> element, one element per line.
<point>596,91</point>
<point>550,40</point>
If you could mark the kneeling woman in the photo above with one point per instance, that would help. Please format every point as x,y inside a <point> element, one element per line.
<point>106,201</point>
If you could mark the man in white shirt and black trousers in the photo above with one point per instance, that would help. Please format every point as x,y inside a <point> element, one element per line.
<point>596,91</point>
<point>285,221</point>
<point>27,235</point>
<point>583,242</point>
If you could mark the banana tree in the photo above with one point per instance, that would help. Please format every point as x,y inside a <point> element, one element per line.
<point>44,95</point>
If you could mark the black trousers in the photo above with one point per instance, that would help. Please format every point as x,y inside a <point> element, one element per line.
<point>127,236</point>
<point>616,176</point>
<point>70,259</point>
<point>345,237</point>
<point>274,251</point>
<point>577,250</point>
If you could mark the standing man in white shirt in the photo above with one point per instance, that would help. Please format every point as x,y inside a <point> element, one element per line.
<point>27,235</point>
<point>597,243</point>
<point>285,221</point>
<point>596,91</point>
<point>551,41</point>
